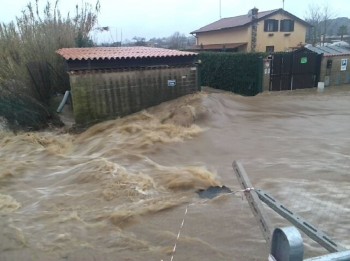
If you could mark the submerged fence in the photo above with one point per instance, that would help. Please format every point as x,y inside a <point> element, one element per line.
<point>238,73</point>
<point>27,104</point>
<point>23,112</point>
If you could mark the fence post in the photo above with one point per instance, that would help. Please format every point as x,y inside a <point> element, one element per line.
<point>260,75</point>
<point>199,78</point>
<point>254,202</point>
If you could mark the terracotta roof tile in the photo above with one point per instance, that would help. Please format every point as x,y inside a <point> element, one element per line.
<point>232,22</point>
<point>241,20</point>
<point>119,53</point>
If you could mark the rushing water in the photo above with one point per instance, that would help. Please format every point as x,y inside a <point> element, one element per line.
<point>119,190</point>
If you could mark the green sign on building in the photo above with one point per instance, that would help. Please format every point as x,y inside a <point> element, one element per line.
<point>303,60</point>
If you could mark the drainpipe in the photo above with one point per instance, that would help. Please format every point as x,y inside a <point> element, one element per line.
<point>254,13</point>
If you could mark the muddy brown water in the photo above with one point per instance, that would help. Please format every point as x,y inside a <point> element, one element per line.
<point>119,190</point>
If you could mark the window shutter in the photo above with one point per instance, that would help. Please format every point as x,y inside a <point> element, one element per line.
<point>266,22</point>
<point>275,25</point>
<point>291,26</point>
<point>282,26</point>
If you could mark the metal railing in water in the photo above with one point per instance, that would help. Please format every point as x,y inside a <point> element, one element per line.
<point>286,244</point>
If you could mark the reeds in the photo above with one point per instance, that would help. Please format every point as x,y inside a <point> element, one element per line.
<point>30,70</point>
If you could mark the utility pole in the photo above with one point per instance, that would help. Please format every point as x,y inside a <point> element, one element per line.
<point>220,8</point>
<point>283,4</point>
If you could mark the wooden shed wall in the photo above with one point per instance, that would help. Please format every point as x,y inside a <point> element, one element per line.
<point>335,76</point>
<point>105,95</point>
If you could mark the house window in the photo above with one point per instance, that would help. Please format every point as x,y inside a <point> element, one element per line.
<point>287,25</point>
<point>270,49</point>
<point>270,25</point>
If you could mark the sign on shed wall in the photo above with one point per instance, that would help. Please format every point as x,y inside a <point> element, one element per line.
<point>344,64</point>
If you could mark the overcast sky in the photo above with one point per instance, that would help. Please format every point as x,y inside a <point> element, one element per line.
<point>158,18</point>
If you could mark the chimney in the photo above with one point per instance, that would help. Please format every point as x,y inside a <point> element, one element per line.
<point>254,15</point>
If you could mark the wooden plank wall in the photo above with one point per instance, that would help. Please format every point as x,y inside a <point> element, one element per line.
<point>105,95</point>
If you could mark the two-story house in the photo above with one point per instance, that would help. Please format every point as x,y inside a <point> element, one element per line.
<point>269,31</point>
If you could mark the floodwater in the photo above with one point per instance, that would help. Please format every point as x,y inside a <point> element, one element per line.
<point>119,190</point>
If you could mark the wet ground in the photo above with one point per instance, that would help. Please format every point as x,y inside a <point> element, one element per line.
<point>119,190</point>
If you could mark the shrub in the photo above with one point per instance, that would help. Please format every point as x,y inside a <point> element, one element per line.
<point>236,72</point>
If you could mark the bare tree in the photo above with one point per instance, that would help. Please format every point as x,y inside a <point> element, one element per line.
<point>342,30</point>
<point>313,17</point>
<point>139,41</point>
<point>326,16</point>
<point>177,41</point>
<point>319,18</point>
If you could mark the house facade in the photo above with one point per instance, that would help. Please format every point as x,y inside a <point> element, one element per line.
<point>268,31</point>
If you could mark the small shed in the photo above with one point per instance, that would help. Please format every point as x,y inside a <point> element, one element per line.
<point>335,69</point>
<point>117,81</point>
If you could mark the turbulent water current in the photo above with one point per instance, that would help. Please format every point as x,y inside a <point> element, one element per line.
<point>119,190</point>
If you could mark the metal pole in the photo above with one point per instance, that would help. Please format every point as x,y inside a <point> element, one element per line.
<point>254,202</point>
<point>63,102</point>
<point>305,226</point>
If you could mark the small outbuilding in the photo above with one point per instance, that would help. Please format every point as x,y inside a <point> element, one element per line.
<point>117,81</point>
<point>335,68</point>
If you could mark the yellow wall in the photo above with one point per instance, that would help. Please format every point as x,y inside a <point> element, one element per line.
<point>279,40</point>
<point>234,35</point>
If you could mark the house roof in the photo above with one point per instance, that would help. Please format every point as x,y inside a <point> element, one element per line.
<point>242,20</point>
<point>328,51</point>
<point>118,53</point>
<point>219,46</point>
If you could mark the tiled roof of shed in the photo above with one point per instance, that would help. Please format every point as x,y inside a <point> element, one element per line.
<point>329,50</point>
<point>110,53</point>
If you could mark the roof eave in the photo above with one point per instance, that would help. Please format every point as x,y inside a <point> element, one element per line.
<point>125,58</point>
<point>221,29</point>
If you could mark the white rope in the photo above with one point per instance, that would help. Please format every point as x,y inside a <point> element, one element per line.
<point>179,233</point>
<point>247,190</point>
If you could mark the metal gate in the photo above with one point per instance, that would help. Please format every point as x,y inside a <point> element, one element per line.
<point>299,69</point>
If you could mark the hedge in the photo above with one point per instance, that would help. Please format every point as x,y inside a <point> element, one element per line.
<point>240,73</point>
